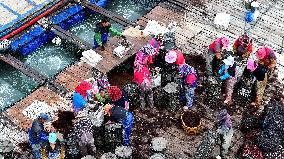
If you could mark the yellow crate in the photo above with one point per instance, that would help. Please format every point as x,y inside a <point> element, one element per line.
<point>190,130</point>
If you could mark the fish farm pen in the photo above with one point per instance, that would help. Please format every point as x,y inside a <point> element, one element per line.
<point>45,54</point>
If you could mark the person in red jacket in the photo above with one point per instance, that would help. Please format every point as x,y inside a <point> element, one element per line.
<point>243,47</point>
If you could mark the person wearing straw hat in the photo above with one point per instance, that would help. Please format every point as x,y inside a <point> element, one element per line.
<point>37,135</point>
<point>118,114</point>
<point>228,73</point>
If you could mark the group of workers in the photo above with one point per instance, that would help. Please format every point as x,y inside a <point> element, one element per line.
<point>224,64</point>
<point>98,92</point>
<point>87,98</point>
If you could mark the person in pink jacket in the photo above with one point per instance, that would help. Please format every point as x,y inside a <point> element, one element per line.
<point>142,75</point>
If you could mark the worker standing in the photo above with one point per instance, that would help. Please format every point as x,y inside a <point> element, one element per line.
<point>266,57</point>
<point>260,73</point>
<point>142,75</point>
<point>225,130</point>
<point>228,73</point>
<point>102,31</point>
<point>83,130</point>
<point>188,75</point>
<point>120,115</point>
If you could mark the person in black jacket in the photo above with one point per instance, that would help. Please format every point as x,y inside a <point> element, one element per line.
<point>118,97</point>
<point>118,114</point>
<point>260,73</point>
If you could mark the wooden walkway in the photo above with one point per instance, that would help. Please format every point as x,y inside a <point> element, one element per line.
<point>43,94</point>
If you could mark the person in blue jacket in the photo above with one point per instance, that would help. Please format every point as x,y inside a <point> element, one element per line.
<point>227,73</point>
<point>118,114</point>
<point>37,135</point>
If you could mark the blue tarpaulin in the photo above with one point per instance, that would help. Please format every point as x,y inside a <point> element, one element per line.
<point>38,36</point>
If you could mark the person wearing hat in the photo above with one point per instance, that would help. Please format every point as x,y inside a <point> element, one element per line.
<point>102,30</point>
<point>228,73</point>
<point>142,75</point>
<point>118,97</point>
<point>188,76</point>
<point>243,47</point>
<point>217,49</point>
<point>225,130</point>
<point>175,57</point>
<point>266,57</point>
<point>37,135</point>
<point>83,130</point>
<point>55,149</point>
<point>259,72</point>
<point>118,114</point>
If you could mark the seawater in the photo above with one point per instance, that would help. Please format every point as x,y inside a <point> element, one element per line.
<point>125,8</point>
<point>51,59</point>
<point>14,85</point>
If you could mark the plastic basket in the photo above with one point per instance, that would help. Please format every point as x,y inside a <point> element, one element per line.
<point>190,130</point>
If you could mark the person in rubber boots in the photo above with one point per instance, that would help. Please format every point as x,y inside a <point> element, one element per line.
<point>188,76</point>
<point>227,73</point>
<point>120,115</point>
<point>142,75</point>
<point>37,136</point>
<point>259,72</point>
<point>217,49</point>
<point>102,31</point>
<point>242,47</point>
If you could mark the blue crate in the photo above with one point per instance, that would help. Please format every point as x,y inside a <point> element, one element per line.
<point>15,45</point>
<point>36,31</point>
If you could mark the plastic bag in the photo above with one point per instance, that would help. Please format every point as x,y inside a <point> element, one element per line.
<point>97,117</point>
